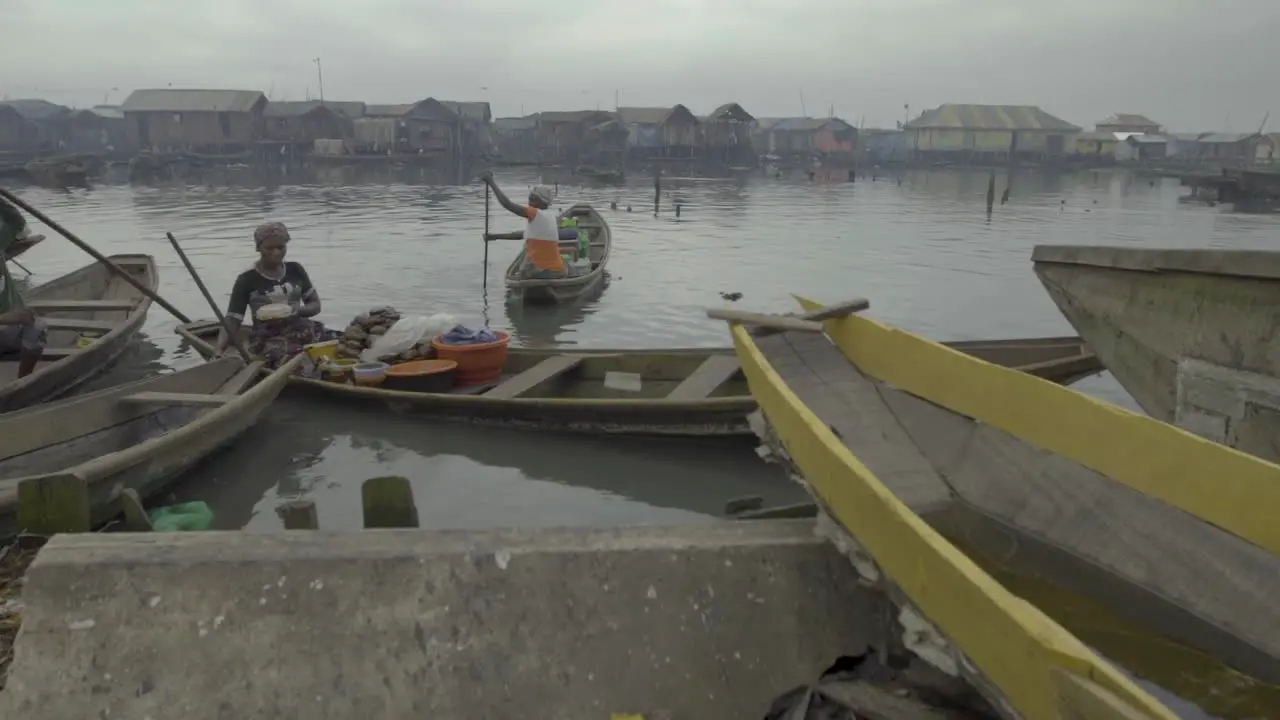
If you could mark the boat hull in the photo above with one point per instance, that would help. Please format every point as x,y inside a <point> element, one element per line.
<point>592,407</point>
<point>73,365</point>
<point>113,445</point>
<point>1190,334</point>
<point>1018,659</point>
<point>566,290</point>
<point>1112,505</point>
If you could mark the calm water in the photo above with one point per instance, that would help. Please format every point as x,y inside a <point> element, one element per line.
<point>921,249</point>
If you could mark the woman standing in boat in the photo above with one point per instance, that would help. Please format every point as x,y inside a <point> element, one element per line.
<point>541,235</point>
<point>272,281</point>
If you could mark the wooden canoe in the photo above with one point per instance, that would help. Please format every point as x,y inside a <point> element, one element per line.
<point>1190,334</point>
<point>1171,532</point>
<point>139,436</point>
<point>91,299</point>
<point>568,289</point>
<point>22,245</point>
<point>685,391</point>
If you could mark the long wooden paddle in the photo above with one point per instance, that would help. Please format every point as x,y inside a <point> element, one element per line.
<point>486,236</point>
<point>23,205</point>
<point>232,335</point>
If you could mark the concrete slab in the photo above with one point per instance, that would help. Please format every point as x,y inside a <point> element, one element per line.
<point>690,622</point>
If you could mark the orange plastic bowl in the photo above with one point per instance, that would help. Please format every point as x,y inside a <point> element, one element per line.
<point>478,364</point>
<point>432,376</point>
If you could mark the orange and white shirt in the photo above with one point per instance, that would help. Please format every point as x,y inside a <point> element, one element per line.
<point>542,239</point>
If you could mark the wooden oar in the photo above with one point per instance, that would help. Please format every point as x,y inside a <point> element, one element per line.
<point>24,267</point>
<point>23,205</point>
<point>217,311</point>
<point>515,235</point>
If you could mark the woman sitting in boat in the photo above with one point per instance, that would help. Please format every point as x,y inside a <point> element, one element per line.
<point>21,332</point>
<point>541,235</point>
<point>273,282</point>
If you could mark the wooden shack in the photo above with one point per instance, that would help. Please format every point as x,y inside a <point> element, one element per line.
<point>655,133</point>
<point>207,121</point>
<point>605,145</point>
<point>49,121</point>
<point>17,134</point>
<point>302,123</point>
<point>561,135</point>
<point>517,140</point>
<point>100,130</point>
<point>427,127</point>
<point>726,137</point>
<point>475,126</point>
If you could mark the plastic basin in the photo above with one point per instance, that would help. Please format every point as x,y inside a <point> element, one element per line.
<point>478,364</point>
<point>427,376</point>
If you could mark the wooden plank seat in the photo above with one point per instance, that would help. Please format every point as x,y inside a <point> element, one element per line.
<point>526,381</point>
<point>711,374</point>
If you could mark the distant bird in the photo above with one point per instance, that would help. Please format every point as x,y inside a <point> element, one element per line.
<point>731,297</point>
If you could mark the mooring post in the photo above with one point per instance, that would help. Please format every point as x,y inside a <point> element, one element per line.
<point>388,503</point>
<point>53,504</point>
<point>299,515</point>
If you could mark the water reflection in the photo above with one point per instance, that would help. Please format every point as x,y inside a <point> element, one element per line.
<point>465,477</point>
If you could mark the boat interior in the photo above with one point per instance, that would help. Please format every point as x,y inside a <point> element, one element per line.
<point>971,449</point>
<point>65,433</point>
<point>91,300</point>
<point>598,231</point>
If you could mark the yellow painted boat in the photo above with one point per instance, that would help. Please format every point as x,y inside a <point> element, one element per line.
<point>904,441</point>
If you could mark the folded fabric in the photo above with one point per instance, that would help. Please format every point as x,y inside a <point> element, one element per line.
<point>463,335</point>
<point>568,233</point>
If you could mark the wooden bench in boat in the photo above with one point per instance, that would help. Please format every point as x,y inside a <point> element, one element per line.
<point>552,367</point>
<point>711,374</point>
<point>172,398</point>
<point>99,305</point>
<point>81,324</point>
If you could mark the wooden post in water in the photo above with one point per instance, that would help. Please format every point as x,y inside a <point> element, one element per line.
<point>388,503</point>
<point>299,515</point>
<point>53,504</point>
<point>991,193</point>
<point>135,516</point>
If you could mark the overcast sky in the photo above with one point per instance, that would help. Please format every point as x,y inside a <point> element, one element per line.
<point>1190,64</point>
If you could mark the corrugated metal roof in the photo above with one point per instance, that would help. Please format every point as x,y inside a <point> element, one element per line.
<point>803,124</point>
<point>1129,119</point>
<point>989,117</point>
<point>730,111</point>
<point>397,110</point>
<point>1148,139</point>
<point>478,111</point>
<point>110,112</point>
<point>651,115</point>
<point>167,100</point>
<point>281,108</point>
<point>570,116</point>
<point>1099,136</point>
<point>1224,138</point>
<point>36,109</point>
<point>516,124</point>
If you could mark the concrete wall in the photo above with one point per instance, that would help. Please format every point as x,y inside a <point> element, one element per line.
<point>692,622</point>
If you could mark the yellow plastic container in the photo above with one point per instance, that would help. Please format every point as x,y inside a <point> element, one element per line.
<point>322,351</point>
<point>85,339</point>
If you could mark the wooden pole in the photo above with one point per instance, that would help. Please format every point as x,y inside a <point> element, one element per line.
<point>51,504</point>
<point>388,503</point>
<point>233,337</point>
<point>23,205</point>
<point>486,236</point>
<point>299,515</point>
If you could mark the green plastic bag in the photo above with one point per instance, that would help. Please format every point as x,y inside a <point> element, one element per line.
<point>183,517</point>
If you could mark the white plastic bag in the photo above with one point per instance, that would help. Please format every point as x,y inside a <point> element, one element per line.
<point>406,333</point>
